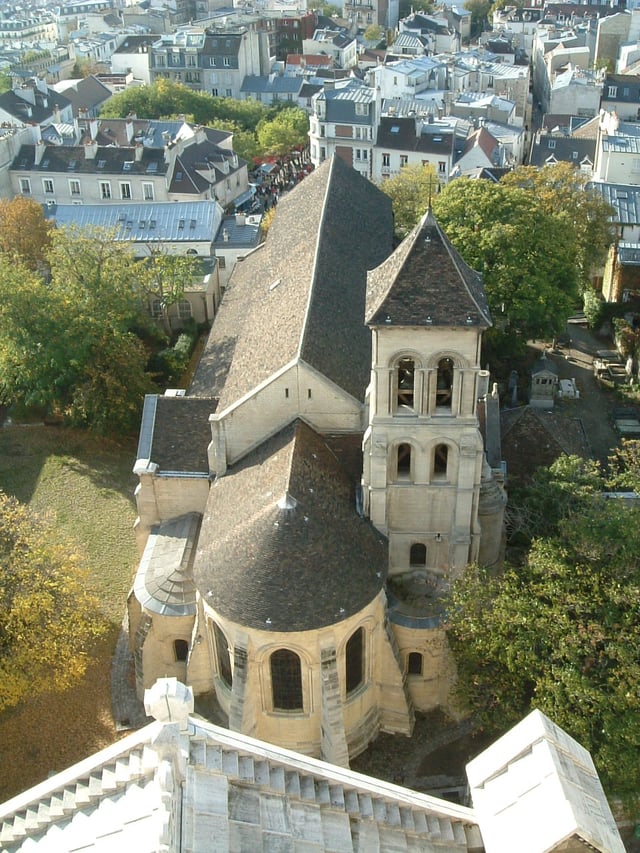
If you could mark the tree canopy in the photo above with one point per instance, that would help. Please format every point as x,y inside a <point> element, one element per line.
<point>411,191</point>
<point>286,131</point>
<point>584,216</point>
<point>480,10</point>
<point>534,237</point>
<point>67,344</point>
<point>248,120</point>
<point>48,621</point>
<point>559,631</point>
<point>24,232</point>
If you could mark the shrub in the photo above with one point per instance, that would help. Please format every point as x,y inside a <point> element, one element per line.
<point>170,363</point>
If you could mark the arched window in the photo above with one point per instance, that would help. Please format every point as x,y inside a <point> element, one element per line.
<point>440,461</point>
<point>354,660</point>
<point>184,309</point>
<point>157,309</point>
<point>403,462</point>
<point>286,680</point>
<point>405,379</point>
<point>444,383</point>
<point>222,655</point>
<point>418,554</point>
<point>414,663</point>
<point>181,650</point>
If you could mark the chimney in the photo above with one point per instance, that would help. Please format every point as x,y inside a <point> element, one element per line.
<point>57,118</point>
<point>36,133</point>
<point>41,86</point>
<point>240,219</point>
<point>40,149</point>
<point>139,151</point>
<point>128,125</point>
<point>93,128</point>
<point>90,150</point>
<point>83,113</point>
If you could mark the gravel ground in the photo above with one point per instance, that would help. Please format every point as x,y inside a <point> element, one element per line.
<point>594,408</point>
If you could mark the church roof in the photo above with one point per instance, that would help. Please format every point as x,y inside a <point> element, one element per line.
<point>301,295</point>
<point>425,282</point>
<point>282,547</point>
<point>164,581</point>
<point>175,433</point>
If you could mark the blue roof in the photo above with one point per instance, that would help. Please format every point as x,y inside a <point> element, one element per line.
<point>158,222</point>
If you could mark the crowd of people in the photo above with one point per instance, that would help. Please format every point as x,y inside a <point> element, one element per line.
<point>271,180</point>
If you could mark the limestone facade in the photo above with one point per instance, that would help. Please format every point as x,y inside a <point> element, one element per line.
<point>303,509</point>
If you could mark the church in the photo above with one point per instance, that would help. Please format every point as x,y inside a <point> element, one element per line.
<point>334,465</point>
<point>302,512</point>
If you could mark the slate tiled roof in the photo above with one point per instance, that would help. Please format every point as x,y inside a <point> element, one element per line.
<point>560,148</point>
<point>623,198</point>
<point>532,438</point>
<point>87,93</point>
<point>302,293</point>
<point>268,84</point>
<point>399,134</point>
<point>107,161</point>
<point>175,433</point>
<point>627,88</point>
<point>18,107</point>
<point>426,283</point>
<point>164,581</point>
<point>282,547</point>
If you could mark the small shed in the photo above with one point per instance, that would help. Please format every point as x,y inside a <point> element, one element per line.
<point>544,383</point>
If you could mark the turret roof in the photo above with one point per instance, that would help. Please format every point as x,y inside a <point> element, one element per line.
<point>425,282</point>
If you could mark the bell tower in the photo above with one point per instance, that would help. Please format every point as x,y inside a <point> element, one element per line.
<point>423,449</point>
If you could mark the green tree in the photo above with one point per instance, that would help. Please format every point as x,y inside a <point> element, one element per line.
<point>560,633</point>
<point>5,82</point>
<point>54,334</point>
<point>624,467</point>
<point>164,277</point>
<point>585,217</point>
<point>504,232</point>
<point>163,99</point>
<point>373,33</point>
<point>411,191</point>
<point>562,489</point>
<point>48,621</point>
<point>480,10</point>
<point>287,130</point>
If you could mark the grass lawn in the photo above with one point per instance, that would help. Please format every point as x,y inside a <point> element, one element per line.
<point>85,485</point>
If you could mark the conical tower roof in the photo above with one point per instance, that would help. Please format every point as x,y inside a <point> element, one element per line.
<point>425,282</point>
